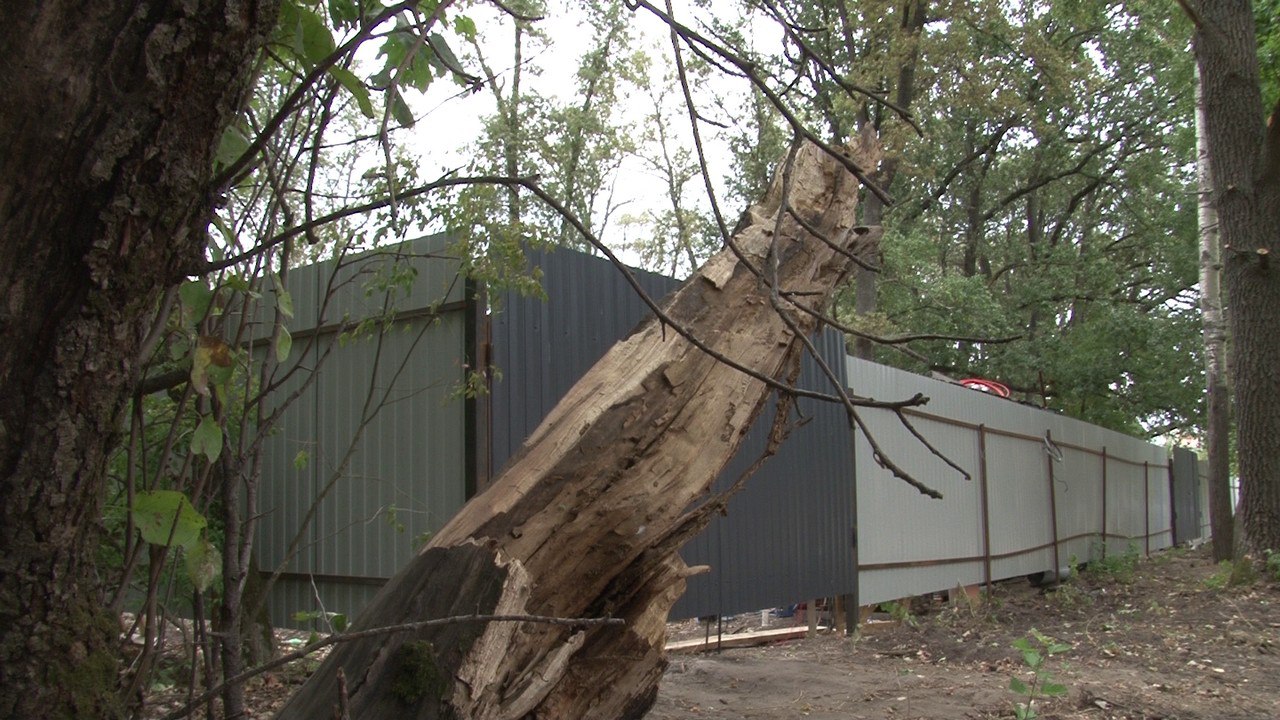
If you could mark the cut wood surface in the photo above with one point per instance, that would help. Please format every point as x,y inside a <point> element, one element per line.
<point>586,520</point>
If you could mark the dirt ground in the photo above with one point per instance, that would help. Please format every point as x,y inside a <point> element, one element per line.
<point>1150,640</point>
<point>1163,638</point>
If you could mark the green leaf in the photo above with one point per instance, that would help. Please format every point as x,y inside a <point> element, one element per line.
<point>300,460</point>
<point>343,12</point>
<point>1055,648</point>
<point>339,622</point>
<point>441,48</point>
<point>348,80</point>
<point>465,26</point>
<point>1023,644</point>
<point>228,236</point>
<point>203,564</point>
<point>407,62</point>
<point>209,355</point>
<point>196,298</point>
<point>400,109</point>
<point>238,282</point>
<point>1032,658</point>
<point>161,512</point>
<point>1053,689</point>
<point>1019,687</point>
<point>207,439</point>
<point>284,301</point>
<point>312,39</point>
<point>179,348</point>
<point>231,146</point>
<point>284,343</point>
<point>220,377</point>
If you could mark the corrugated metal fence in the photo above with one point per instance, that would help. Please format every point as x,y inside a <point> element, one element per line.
<point>379,476</point>
<point>374,447</point>
<point>1045,489</point>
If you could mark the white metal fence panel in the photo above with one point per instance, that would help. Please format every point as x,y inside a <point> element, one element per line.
<point>1045,489</point>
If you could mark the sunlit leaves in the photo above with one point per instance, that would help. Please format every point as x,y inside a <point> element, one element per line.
<point>405,61</point>
<point>465,27</point>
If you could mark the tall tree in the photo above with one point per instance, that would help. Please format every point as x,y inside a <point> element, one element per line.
<point>1244,153</point>
<point>114,113</point>
<point>1021,215</point>
<point>1217,427</point>
<point>1017,213</point>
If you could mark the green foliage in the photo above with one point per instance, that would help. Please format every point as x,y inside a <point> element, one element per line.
<point>1234,573</point>
<point>1272,565</point>
<point>1036,650</point>
<point>167,518</point>
<point>207,438</point>
<point>1266,14</point>
<point>1115,567</point>
<point>1048,199</point>
<point>900,612</point>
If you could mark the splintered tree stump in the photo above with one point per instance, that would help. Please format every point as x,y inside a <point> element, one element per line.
<point>587,519</point>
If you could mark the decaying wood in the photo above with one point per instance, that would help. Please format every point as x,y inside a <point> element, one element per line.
<point>586,520</point>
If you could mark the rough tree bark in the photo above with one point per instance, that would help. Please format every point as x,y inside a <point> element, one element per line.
<point>586,520</point>
<point>1244,152</point>
<point>113,111</point>
<point>1217,400</point>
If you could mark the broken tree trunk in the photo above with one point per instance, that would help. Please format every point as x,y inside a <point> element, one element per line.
<point>587,519</point>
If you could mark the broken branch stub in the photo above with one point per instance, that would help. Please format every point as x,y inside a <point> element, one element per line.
<point>575,525</point>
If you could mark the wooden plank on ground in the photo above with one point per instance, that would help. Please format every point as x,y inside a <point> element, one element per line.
<point>738,640</point>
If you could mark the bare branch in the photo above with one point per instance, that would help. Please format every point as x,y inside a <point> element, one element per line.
<point>902,418</point>
<point>794,33</point>
<point>692,37</point>
<point>515,14</point>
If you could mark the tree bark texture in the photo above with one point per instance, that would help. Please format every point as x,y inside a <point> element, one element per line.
<point>1244,151</point>
<point>587,519</point>
<point>1217,399</point>
<point>113,112</point>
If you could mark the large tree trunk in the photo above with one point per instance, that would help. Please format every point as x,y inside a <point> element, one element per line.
<point>1217,424</point>
<point>1244,153</point>
<point>586,520</point>
<point>113,111</point>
